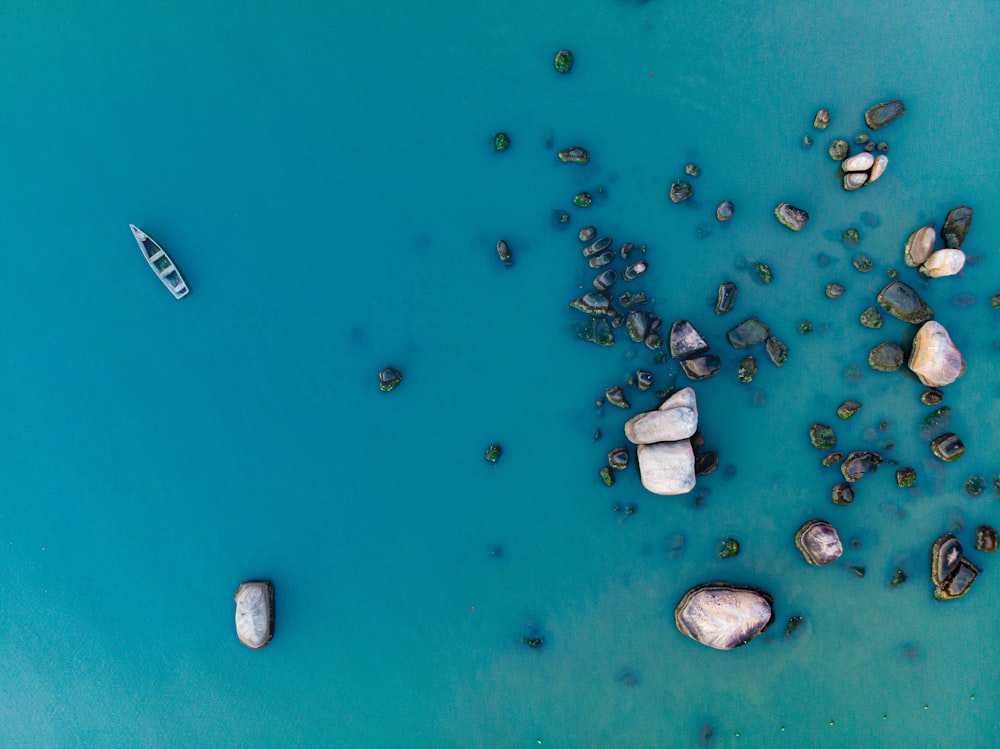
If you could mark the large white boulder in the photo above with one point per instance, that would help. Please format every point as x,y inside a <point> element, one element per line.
<point>667,468</point>
<point>724,616</point>
<point>661,426</point>
<point>943,263</point>
<point>935,360</point>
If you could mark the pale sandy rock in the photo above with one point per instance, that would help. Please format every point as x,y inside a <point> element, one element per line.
<point>878,167</point>
<point>861,162</point>
<point>935,359</point>
<point>943,263</point>
<point>661,426</point>
<point>854,180</point>
<point>724,616</point>
<point>667,468</point>
<point>919,246</point>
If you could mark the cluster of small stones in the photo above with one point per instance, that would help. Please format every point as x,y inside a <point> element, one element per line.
<point>865,167</point>
<point>920,249</point>
<point>751,332</point>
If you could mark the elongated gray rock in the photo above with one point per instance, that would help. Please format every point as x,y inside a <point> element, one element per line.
<point>956,226</point>
<point>255,613</point>
<point>935,359</point>
<point>882,114</point>
<point>667,468</point>
<point>661,426</point>
<point>722,615</point>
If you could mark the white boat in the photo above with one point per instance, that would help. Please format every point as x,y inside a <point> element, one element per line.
<point>160,262</point>
<point>255,613</point>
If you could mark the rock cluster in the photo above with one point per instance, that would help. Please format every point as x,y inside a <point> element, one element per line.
<point>665,455</point>
<point>723,615</point>
<point>863,169</point>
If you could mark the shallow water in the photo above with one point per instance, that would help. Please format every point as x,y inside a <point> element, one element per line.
<point>325,180</point>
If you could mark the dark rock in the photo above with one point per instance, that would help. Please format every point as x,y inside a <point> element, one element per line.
<point>574,155</point>
<point>975,486</point>
<point>936,422</point>
<point>906,477</point>
<point>852,237</point>
<point>819,543</point>
<point>777,350</point>
<point>706,462</point>
<point>597,331</point>
<point>842,494</point>
<point>493,453</point>
<point>632,299</point>
<point>747,369</point>
<point>563,61</point>
<point>832,459</point>
<point>886,357</point>
<point>616,397</point>
<point>948,447</point>
<point>606,280</point>
<point>607,476</point>
<point>805,327</point>
<point>858,463</point>
<point>726,297</point>
<point>862,138</point>
<point>898,578</point>
<point>701,367</point>
<point>794,622</point>
<point>653,341</point>
<point>822,437</point>
<point>748,333</point>
<point>388,379</point>
<point>627,249</point>
<point>905,304</point>
<point>587,233</point>
<point>882,147</point>
<point>583,200</point>
<point>834,290</point>
<point>724,211</point>
<point>503,250</point>
<point>594,303</point>
<point>599,261</point>
<point>839,149</point>
<point>618,458</point>
<point>956,226</point>
<point>986,538</point>
<point>644,379</point>
<point>680,190</point>
<point>692,170</point>
<point>958,584</point>
<point>635,270</point>
<point>871,318</point>
<point>763,272</point>
<point>883,113</point>
<point>945,556</point>
<point>931,397</point>
<point>791,217</point>
<point>637,325</point>
<point>685,341</point>
<point>729,548</point>
<point>597,246</point>
<point>822,119</point>
<point>862,263</point>
<point>501,141</point>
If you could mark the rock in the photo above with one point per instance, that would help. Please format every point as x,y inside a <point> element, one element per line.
<point>871,318</point>
<point>255,613</point>
<point>632,299</point>
<point>854,181</point>
<point>594,303</point>
<point>637,325</point>
<point>748,333</point>
<point>763,272</point>
<point>822,119</point>
<point>935,360</point>
<point>493,453</point>
<point>599,261</point>
<point>959,583</point>
<point>667,468</point>
<point>635,270</point>
<point>726,298</point>
<point>858,463</point>
<point>862,138</point>
<point>906,477</point>
<point>692,170</point>
<point>724,211</point>
<point>685,341</point>
<point>618,458</point>
<point>886,357</point>
<point>839,149</point>
<point>701,367</point>
<point>945,556</point>
<point>882,114</point>
<point>680,190</point>
<point>583,200</point>
<point>919,246</point>
<point>986,538</point>
<point>832,459</point>
<point>931,397</point>
<point>834,290</point>
<point>842,494</point>
<point>903,303</point>
<point>943,263</point>
<point>822,437</point>
<point>501,142</point>
<point>661,426</point>
<point>948,447</point>
<point>819,543</point>
<point>805,327</point>
<point>975,486</point>
<point>587,233</point>
<point>574,155</point>
<point>851,237</point>
<point>503,250</point>
<point>724,616</point>
<point>597,246</point>
<point>388,379</point>
<point>683,398</point>
<point>862,263</point>
<point>706,462</point>
<point>729,548</point>
<point>747,369</point>
<point>616,397</point>
<point>861,162</point>
<point>777,350</point>
<point>653,342</point>
<point>606,476</point>
<point>791,217</point>
<point>936,422</point>
<point>847,409</point>
<point>606,280</point>
<point>878,168</point>
<point>643,380</point>
<point>596,331</point>
<point>956,226</point>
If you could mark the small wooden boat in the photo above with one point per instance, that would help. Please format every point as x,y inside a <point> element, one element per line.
<point>160,262</point>
<point>255,613</point>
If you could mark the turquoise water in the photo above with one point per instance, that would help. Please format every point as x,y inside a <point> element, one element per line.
<point>325,179</point>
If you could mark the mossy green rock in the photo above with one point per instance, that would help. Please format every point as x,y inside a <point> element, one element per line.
<point>607,476</point>
<point>763,272</point>
<point>596,331</point>
<point>822,437</point>
<point>747,369</point>
<point>848,408</point>
<point>501,141</point>
<point>680,191</point>
<point>777,350</point>
<point>936,422</point>
<point>906,477</point>
<point>563,61</point>
<point>493,453</point>
<point>886,357</point>
<point>872,318</point>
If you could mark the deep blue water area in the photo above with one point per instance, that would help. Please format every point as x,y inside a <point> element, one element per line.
<point>324,176</point>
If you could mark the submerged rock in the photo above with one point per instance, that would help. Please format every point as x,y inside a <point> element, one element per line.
<point>822,437</point>
<point>791,217</point>
<point>986,538</point>
<point>919,246</point>
<point>563,61</point>
<point>819,543</point>
<point>956,226</point>
<point>632,299</point>
<point>574,155</point>
<point>724,211</point>
<point>747,369</point>
<point>597,246</point>
<point>388,379</point>
<point>886,357</point>
<point>724,616</point>
<point>748,333</point>
<point>637,325</point>
<point>255,613</point>
<point>871,318</point>
<point>596,331</point>
<point>667,468</point>
<point>943,263</point>
<point>501,142</point>
<point>493,453</point>
<point>685,341</point>
<point>903,303</point>
<point>935,359</point>
<point>906,477</point>
<point>701,367</point>
<point>726,297</point>
<point>643,380</point>
<point>883,113</point>
<point>604,258</point>
<point>635,270</point>
<point>777,350</point>
<point>605,280</point>
<point>680,191</point>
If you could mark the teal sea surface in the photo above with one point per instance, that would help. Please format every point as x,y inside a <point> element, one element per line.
<point>325,178</point>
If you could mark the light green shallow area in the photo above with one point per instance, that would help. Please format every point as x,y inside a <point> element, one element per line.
<point>324,177</point>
